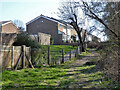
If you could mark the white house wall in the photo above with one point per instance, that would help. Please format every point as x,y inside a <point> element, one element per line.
<point>89,38</point>
<point>64,30</point>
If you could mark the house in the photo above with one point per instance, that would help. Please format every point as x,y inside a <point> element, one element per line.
<point>92,38</point>
<point>8,32</point>
<point>59,30</point>
<point>8,27</point>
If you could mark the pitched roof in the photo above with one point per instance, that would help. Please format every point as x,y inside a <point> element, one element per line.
<point>3,22</point>
<point>49,18</point>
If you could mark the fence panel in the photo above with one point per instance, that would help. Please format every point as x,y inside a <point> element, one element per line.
<point>10,54</point>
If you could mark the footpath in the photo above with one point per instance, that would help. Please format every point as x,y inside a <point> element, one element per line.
<point>80,75</point>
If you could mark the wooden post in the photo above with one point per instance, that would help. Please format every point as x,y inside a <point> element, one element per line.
<point>12,57</point>
<point>80,49</point>
<point>23,56</point>
<point>70,55</point>
<point>76,52</point>
<point>18,61</point>
<point>30,54</point>
<point>48,55</point>
<point>29,60</point>
<point>62,56</point>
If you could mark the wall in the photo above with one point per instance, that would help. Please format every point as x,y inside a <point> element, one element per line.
<point>7,39</point>
<point>9,28</point>
<point>9,55</point>
<point>44,39</point>
<point>44,26</point>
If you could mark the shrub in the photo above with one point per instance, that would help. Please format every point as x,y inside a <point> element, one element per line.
<point>92,44</point>
<point>51,40</point>
<point>24,39</point>
<point>74,39</point>
<point>39,56</point>
<point>109,60</point>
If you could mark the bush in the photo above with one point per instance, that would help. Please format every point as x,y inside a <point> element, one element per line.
<point>39,56</point>
<point>109,60</point>
<point>24,39</point>
<point>92,45</point>
<point>51,41</point>
<point>74,39</point>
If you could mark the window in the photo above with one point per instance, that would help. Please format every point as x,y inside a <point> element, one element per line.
<point>59,32</point>
<point>60,25</point>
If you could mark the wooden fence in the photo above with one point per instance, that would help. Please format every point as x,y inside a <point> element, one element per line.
<point>69,56</point>
<point>20,56</point>
<point>15,56</point>
<point>54,59</point>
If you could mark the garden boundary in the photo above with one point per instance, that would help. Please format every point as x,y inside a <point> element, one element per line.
<point>12,57</point>
<point>54,57</point>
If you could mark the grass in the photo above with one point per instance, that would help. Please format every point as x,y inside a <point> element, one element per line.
<point>56,50</point>
<point>40,56</point>
<point>57,76</point>
<point>38,78</point>
<point>61,76</point>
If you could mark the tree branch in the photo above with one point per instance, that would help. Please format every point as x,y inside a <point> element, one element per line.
<point>94,16</point>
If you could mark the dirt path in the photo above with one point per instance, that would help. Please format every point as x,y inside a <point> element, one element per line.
<point>76,78</point>
<point>84,59</point>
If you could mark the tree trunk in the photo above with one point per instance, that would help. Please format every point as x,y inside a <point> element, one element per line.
<point>81,42</point>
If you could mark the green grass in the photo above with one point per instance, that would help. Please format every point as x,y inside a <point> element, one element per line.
<point>57,76</point>
<point>66,48</point>
<point>56,50</point>
<point>38,78</point>
<point>61,76</point>
<point>40,56</point>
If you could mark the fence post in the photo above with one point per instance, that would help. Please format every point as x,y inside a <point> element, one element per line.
<point>62,56</point>
<point>76,52</point>
<point>80,49</point>
<point>48,55</point>
<point>30,53</point>
<point>70,55</point>
<point>12,57</point>
<point>23,56</point>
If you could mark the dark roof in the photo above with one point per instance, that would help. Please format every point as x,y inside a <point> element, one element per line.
<point>58,20</point>
<point>3,22</point>
<point>50,18</point>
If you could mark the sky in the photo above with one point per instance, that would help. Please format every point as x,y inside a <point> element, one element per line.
<point>26,10</point>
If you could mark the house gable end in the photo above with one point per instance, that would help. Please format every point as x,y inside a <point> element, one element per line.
<point>41,16</point>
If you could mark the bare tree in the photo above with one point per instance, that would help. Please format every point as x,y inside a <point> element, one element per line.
<point>95,10</point>
<point>70,13</point>
<point>108,14</point>
<point>19,24</point>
